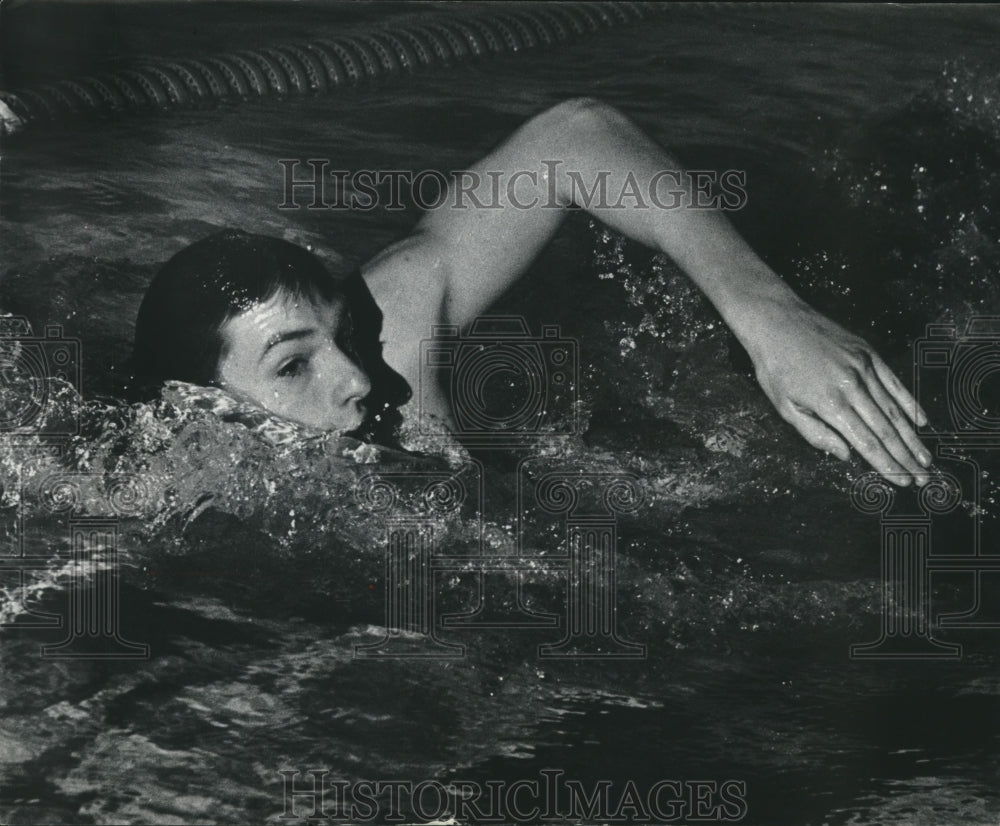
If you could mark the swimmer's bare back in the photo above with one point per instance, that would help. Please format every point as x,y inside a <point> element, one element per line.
<point>828,383</point>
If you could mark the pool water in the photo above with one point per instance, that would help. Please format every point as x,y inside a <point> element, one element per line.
<point>871,141</point>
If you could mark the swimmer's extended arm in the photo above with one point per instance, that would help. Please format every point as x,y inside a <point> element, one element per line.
<point>822,379</point>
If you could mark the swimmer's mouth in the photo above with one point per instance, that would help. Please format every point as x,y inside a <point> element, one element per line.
<point>362,423</point>
<point>377,426</point>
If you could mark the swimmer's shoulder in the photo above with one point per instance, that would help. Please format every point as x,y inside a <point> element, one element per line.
<point>409,283</point>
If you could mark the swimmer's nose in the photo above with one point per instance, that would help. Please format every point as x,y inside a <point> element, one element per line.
<point>358,385</point>
<point>350,383</point>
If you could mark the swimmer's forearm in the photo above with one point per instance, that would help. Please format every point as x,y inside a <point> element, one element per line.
<point>825,381</point>
<point>563,152</point>
<point>701,241</point>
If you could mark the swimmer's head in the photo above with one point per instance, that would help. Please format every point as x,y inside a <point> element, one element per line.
<point>264,319</point>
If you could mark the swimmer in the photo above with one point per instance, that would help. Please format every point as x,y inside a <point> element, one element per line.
<point>264,320</point>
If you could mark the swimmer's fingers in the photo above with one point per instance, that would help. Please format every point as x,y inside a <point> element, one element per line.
<point>898,392</point>
<point>877,439</point>
<point>872,441</point>
<point>815,431</point>
<point>894,407</point>
<point>836,391</point>
<point>843,427</point>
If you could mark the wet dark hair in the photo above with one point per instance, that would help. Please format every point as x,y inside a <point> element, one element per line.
<point>178,331</point>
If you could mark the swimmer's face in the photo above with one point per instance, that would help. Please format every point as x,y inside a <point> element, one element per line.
<point>293,356</point>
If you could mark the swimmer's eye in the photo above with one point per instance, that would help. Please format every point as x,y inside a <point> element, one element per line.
<point>292,368</point>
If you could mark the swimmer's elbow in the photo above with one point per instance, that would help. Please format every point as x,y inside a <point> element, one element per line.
<point>581,107</point>
<point>582,112</point>
<point>586,119</point>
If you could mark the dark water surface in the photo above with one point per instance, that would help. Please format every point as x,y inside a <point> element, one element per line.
<point>871,140</point>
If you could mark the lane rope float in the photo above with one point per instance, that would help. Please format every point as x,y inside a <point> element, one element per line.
<point>318,67</point>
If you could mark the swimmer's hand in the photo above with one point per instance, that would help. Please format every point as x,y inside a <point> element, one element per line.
<point>826,382</point>
<point>834,389</point>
